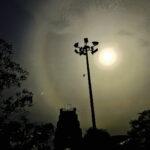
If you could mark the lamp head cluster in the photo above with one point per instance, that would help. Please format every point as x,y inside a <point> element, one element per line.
<point>84,50</point>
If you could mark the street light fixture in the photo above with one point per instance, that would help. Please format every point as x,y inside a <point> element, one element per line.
<point>84,51</point>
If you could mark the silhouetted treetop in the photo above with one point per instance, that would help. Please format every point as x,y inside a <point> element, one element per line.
<point>97,139</point>
<point>140,131</point>
<point>12,104</point>
<point>16,131</point>
<point>11,73</point>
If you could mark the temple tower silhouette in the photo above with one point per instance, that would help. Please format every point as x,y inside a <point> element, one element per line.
<point>68,133</point>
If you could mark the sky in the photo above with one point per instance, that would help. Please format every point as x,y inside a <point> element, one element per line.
<point>43,33</point>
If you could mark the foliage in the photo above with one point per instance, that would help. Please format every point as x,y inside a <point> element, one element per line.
<point>11,73</point>
<point>140,131</point>
<point>11,76</point>
<point>97,139</point>
<point>17,133</point>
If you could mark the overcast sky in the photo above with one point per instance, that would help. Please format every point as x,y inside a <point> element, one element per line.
<point>43,33</point>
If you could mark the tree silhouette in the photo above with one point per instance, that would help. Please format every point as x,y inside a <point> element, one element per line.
<point>31,136</point>
<point>140,132</point>
<point>11,76</point>
<point>97,139</point>
<point>16,132</point>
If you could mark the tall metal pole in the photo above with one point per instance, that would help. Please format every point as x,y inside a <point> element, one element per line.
<point>84,51</point>
<point>91,94</point>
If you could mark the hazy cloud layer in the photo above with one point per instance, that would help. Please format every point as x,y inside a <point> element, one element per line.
<point>56,72</point>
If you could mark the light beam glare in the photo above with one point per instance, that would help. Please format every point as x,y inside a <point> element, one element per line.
<point>107,57</point>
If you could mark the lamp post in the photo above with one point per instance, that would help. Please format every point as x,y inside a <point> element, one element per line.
<point>84,51</point>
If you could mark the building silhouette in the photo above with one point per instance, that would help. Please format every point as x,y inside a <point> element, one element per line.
<point>68,133</point>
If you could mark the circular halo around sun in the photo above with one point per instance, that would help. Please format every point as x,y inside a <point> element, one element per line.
<point>107,57</point>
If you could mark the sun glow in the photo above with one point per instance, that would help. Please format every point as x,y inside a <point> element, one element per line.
<point>107,57</point>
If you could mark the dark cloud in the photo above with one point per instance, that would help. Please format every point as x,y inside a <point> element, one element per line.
<point>125,33</point>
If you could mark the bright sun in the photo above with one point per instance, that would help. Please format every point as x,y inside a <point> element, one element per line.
<point>107,57</point>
